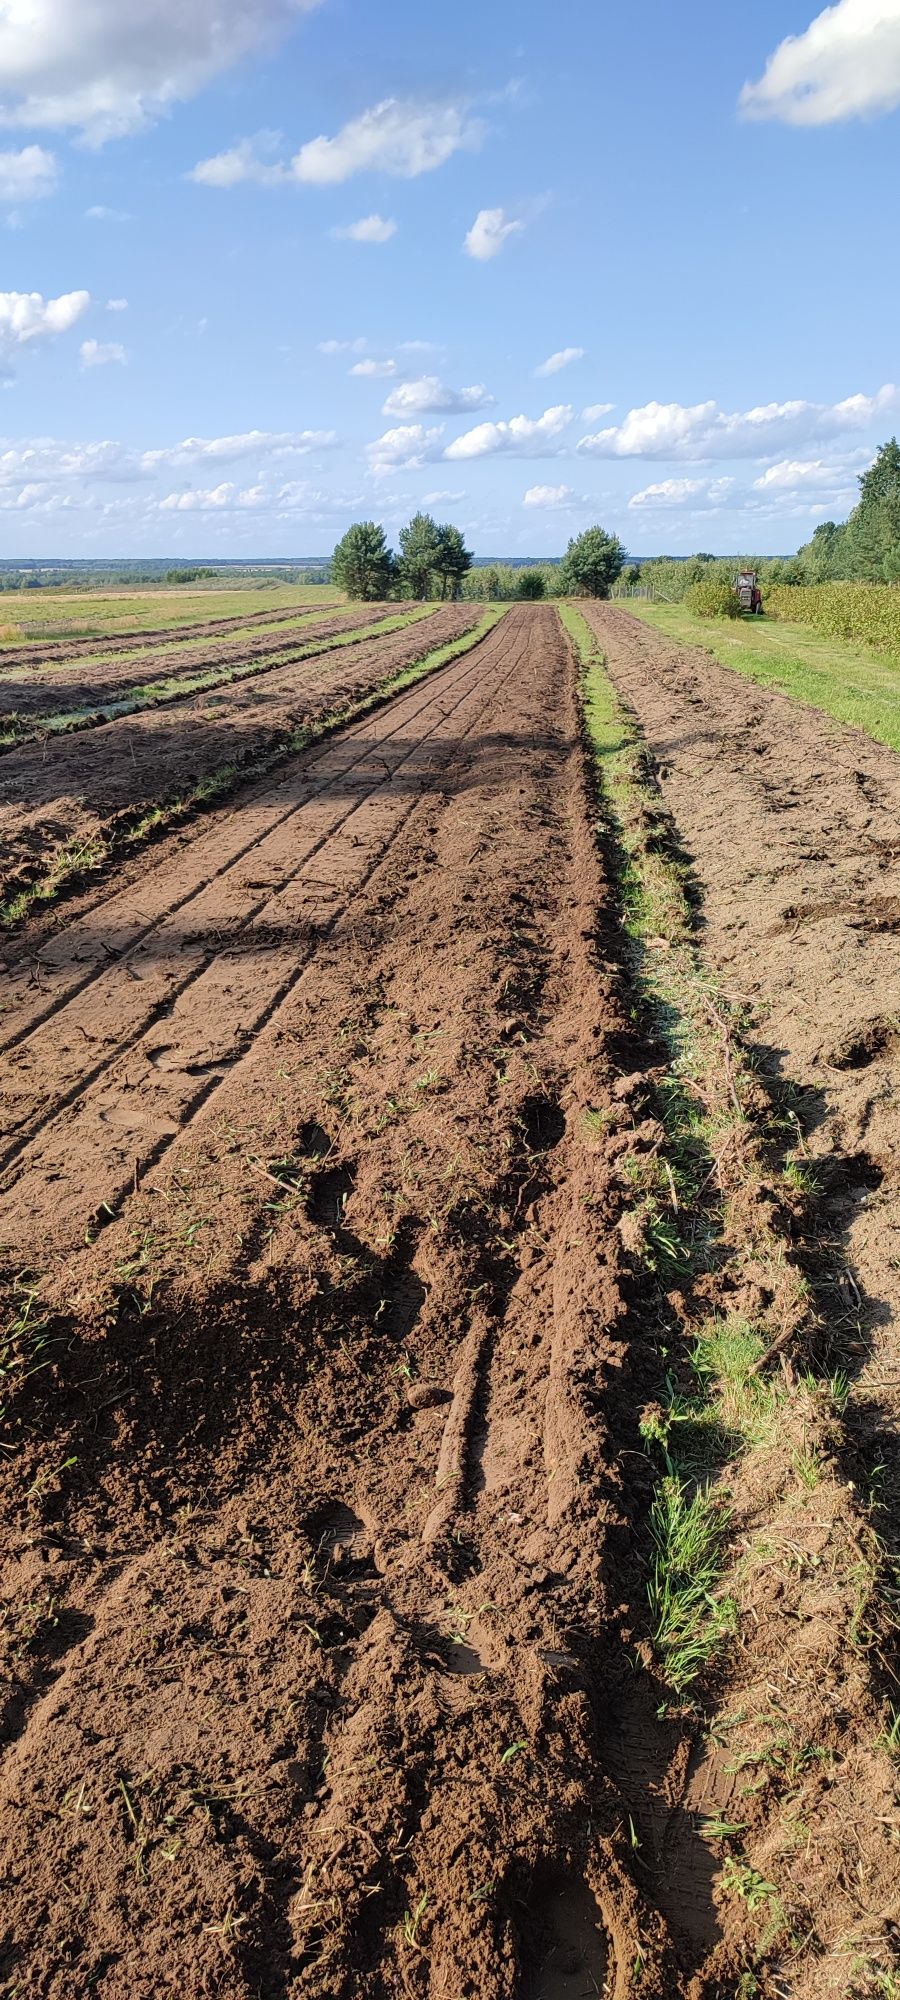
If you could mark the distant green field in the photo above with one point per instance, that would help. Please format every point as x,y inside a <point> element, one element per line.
<point>32,614</point>
<point>844,680</point>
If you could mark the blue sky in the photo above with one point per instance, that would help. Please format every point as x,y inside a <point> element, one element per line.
<point>273,265</point>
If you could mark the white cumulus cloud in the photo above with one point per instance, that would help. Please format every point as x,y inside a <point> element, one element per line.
<point>198,499</point>
<point>29,175</point>
<point>373,371</point>
<point>490,230</point>
<point>402,137</point>
<point>238,163</point>
<point>429,396</point>
<point>404,448</point>
<point>117,305</point>
<point>107,69</point>
<point>563,357</point>
<point>357,346</point>
<point>845,65</point>
<point>703,431</point>
<point>548,496</point>
<point>28,316</point>
<point>280,499</point>
<point>242,444</point>
<point>398,136</point>
<point>102,353</point>
<point>699,494</point>
<point>823,475</point>
<point>526,437</point>
<point>369,229</point>
<point>595,411</point>
<point>41,459</point>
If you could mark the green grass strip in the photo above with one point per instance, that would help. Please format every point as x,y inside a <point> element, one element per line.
<point>127,654</point>
<point>847,681</point>
<point>158,694</point>
<point>79,859</point>
<point>717,1407</point>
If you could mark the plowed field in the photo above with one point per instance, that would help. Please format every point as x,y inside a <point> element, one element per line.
<point>336,1357</point>
<point>95,675</point>
<point>72,787</point>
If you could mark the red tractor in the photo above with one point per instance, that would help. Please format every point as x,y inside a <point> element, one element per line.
<point>748,592</point>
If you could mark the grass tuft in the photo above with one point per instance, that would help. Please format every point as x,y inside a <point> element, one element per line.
<point>691,1618</point>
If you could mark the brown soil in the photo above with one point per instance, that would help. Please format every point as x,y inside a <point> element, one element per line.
<point>74,786</point>
<point>94,684</point>
<point>326,1671</point>
<point>40,652</point>
<point>319,1519</point>
<point>792,825</point>
<point>789,824</point>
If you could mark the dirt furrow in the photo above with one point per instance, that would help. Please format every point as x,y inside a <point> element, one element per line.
<point>322,1548</point>
<point>197,1002</point>
<point>69,788</point>
<point>127,924</point>
<point>97,686</point>
<point>43,651</point>
<point>792,822</point>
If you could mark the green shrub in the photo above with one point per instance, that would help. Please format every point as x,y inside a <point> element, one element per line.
<point>869,612</point>
<point>715,597</point>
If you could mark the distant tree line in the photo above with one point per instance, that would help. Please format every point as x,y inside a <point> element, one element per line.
<point>100,575</point>
<point>433,562</point>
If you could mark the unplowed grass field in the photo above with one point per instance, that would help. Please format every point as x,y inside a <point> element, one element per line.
<point>449,1376</point>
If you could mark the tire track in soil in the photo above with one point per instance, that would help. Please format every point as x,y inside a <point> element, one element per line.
<point>74,784</point>
<point>49,1065</point>
<point>209,997</point>
<point>394,1713</point>
<point>168,885</point>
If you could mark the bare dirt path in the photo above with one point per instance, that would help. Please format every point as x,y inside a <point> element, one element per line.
<point>320,1551</point>
<point>792,823</point>
<point>95,683</point>
<point>70,787</point>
